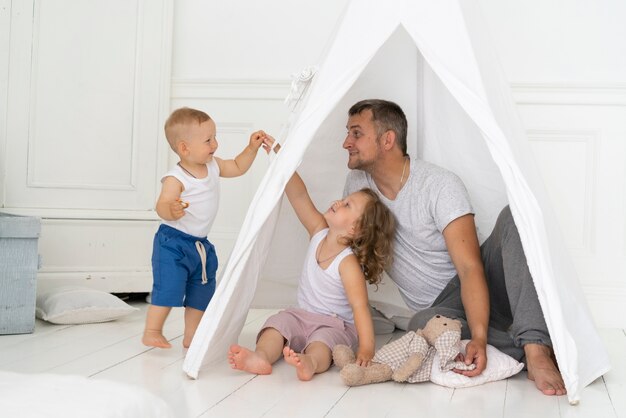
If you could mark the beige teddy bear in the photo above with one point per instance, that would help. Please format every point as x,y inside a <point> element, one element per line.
<point>409,358</point>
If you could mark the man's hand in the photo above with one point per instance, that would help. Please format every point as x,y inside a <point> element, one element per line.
<point>475,352</point>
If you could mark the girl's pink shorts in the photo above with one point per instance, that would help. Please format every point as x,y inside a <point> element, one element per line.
<point>300,328</point>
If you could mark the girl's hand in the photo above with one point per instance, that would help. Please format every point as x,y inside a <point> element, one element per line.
<point>270,143</point>
<point>364,357</point>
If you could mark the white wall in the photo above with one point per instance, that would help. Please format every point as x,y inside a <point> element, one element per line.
<point>559,41</point>
<point>84,87</point>
<point>246,39</point>
<point>565,60</point>
<point>234,60</point>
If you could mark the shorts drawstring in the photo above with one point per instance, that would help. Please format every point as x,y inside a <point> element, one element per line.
<point>202,253</point>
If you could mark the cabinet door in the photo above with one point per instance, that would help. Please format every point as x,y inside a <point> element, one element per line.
<point>87,93</point>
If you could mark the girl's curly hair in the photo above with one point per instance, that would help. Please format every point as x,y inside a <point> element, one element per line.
<point>372,243</point>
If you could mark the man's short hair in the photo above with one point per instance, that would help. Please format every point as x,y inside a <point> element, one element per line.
<point>175,124</point>
<point>386,116</point>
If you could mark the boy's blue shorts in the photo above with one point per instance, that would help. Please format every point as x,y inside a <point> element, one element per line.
<point>177,270</point>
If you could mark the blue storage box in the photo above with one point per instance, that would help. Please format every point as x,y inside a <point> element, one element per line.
<point>19,236</point>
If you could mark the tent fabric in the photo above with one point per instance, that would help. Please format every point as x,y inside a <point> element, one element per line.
<point>434,60</point>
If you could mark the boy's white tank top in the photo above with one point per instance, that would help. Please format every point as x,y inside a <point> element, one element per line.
<point>203,196</point>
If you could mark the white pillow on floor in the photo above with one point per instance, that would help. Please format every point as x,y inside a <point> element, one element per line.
<point>499,366</point>
<point>80,305</point>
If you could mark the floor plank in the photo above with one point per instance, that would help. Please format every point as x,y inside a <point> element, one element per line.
<point>615,379</point>
<point>160,371</point>
<point>55,351</point>
<point>595,402</point>
<point>517,405</point>
<point>487,400</point>
<point>276,394</point>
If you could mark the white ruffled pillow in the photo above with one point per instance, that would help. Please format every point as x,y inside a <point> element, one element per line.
<point>499,366</point>
<point>80,305</point>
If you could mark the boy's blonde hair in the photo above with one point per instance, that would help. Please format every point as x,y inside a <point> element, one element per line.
<point>372,242</point>
<point>180,118</point>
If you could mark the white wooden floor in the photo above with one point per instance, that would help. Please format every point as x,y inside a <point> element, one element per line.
<point>113,351</point>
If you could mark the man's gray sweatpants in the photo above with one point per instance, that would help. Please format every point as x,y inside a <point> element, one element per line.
<point>516,317</point>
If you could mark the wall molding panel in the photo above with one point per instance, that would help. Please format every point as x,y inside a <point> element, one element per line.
<point>83,140</point>
<point>239,106</point>
<point>526,93</point>
<point>606,304</point>
<point>560,142</point>
<point>48,72</point>
<point>103,253</point>
<point>577,135</point>
<point>230,89</point>
<point>98,148</point>
<point>570,94</point>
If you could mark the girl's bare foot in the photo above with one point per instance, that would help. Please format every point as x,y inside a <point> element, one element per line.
<point>153,338</point>
<point>241,358</point>
<point>543,371</point>
<point>305,367</point>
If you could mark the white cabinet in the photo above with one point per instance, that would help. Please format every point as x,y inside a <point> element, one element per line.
<point>86,87</point>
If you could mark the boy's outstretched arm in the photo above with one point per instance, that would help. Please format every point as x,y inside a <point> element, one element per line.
<point>169,206</point>
<point>242,162</point>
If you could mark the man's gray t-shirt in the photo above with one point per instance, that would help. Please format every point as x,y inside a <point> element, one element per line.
<point>431,198</point>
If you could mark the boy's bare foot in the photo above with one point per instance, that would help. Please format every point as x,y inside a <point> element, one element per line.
<point>543,371</point>
<point>153,338</point>
<point>305,369</point>
<point>241,358</point>
<point>187,342</point>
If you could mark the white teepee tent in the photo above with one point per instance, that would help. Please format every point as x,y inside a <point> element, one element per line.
<point>432,58</point>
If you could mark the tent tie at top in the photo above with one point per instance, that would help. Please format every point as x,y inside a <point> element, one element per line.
<point>299,83</point>
<point>202,252</point>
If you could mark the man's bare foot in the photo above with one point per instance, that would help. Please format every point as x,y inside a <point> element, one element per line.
<point>241,358</point>
<point>305,369</point>
<point>543,371</point>
<point>153,338</point>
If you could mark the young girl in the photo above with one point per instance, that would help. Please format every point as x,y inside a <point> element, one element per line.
<point>350,243</point>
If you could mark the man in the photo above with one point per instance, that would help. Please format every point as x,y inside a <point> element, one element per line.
<point>438,264</point>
